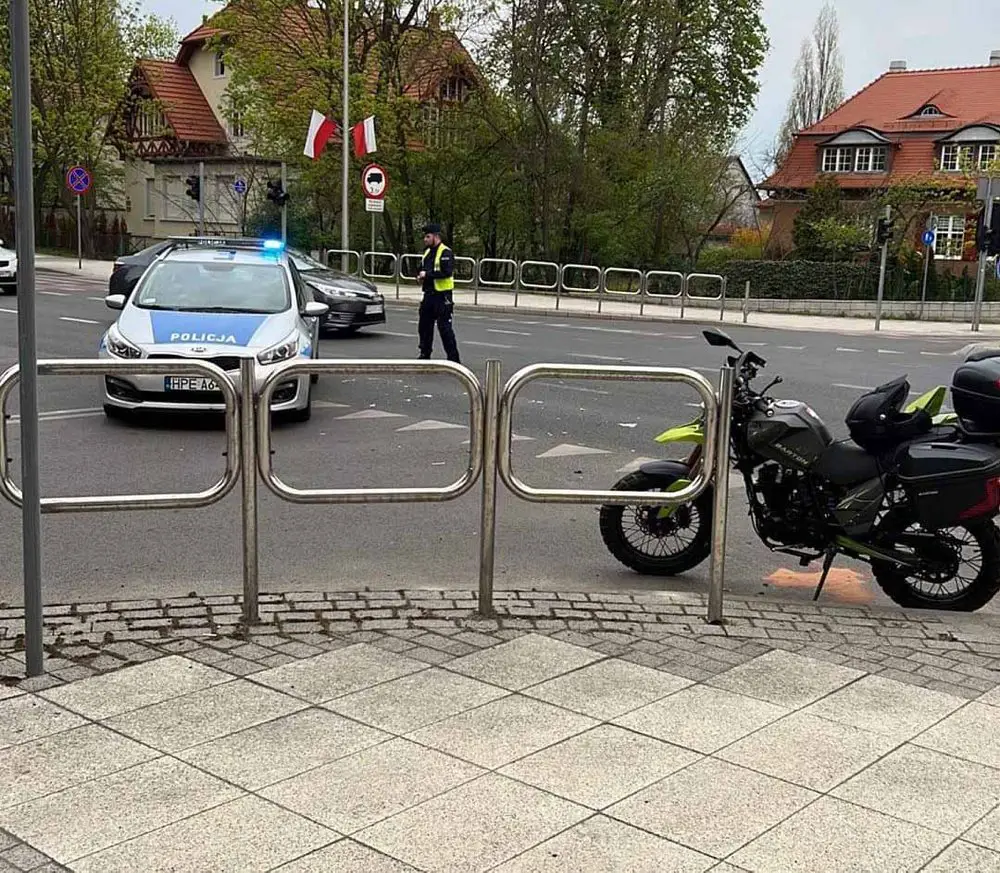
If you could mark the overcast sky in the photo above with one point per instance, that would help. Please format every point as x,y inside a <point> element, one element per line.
<point>925,33</point>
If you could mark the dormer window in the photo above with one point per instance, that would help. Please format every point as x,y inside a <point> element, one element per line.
<point>956,157</point>
<point>220,66</point>
<point>454,90</point>
<point>855,159</point>
<point>930,110</point>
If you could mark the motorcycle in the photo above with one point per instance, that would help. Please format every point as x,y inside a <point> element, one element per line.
<point>909,501</point>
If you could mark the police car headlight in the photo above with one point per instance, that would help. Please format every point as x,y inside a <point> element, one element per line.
<point>121,347</point>
<point>284,350</point>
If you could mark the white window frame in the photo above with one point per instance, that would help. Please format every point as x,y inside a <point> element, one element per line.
<point>870,159</point>
<point>930,111</point>
<point>987,155</point>
<point>949,236</point>
<point>219,62</point>
<point>838,159</point>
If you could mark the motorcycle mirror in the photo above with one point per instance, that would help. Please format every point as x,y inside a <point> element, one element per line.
<point>718,339</point>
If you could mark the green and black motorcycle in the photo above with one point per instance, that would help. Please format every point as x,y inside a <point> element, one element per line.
<point>913,493</point>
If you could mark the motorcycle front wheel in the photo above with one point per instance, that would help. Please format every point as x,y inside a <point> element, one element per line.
<point>969,555</point>
<point>655,542</point>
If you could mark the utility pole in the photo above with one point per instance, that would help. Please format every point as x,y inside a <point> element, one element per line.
<point>27,351</point>
<point>345,229</point>
<point>977,308</point>
<point>284,204</point>
<point>883,235</point>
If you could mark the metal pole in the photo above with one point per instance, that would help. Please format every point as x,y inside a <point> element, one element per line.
<point>488,514</point>
<point>372,249</point>
<point>248,475</point>
<point>27,353</point>
<point>881,275</point>
<point>746,302</point>
<point>923,287</point>
<point>601,284</point>
<point>643,288</point>
<point>345,231</point>
<point>284,206</point>
<point>684,292</point>
<point>399,269</point>
<point>717,576</point>
<point>977,308</point>
<point>201,198</point>
<point>79,235</point>
<point>722,305</point>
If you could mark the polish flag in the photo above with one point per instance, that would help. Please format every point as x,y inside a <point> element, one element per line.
<point>321,129</point>
<point>363,134</point>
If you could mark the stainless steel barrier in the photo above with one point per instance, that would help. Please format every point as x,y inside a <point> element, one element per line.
<point>721,296</point>
<point>720,516</point>
<point>538,286</point>
<point>585,269</point>
<point>371,495</point>
<point>498,283</point>
<point>746,302</point>
<point>112,502</point>
<point>680,295</point>
<point>372,274</point>
<point>471,278</point>
<point>623,271</point>
<point>345,260</point>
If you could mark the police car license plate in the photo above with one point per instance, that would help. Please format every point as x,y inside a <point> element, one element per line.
<point>189,383</point>
<point>375,308</point>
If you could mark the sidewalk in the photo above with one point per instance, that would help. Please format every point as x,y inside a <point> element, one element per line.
<point>586,307</point>
<point>396,731</point>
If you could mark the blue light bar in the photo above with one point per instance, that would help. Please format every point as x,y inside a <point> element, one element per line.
<point>273,244</point>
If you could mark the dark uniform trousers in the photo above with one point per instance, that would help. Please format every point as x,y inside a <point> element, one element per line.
<point>435,310</point>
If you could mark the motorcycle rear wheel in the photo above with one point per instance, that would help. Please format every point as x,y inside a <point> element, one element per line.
<point>695,519</point>
<point>908,589</point>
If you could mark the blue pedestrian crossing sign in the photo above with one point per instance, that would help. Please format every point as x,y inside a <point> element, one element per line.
<point>928,237</point>
<point>240,186</point>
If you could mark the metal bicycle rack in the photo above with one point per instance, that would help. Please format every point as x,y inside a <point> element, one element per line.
<point>666,274</point>
<point>372,274</point>
<point>345,255</point>
<point>721,296</point>
<point>522,284</point>
<point>501,263</point>
<point>622,271</point>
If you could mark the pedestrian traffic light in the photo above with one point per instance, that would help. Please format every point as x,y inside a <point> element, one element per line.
<point>276,193</point>
<point>988,241</point>
<point>883,233</point>
<point>193,188</point>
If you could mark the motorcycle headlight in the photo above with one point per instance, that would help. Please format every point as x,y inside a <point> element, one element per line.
<point>287,348</point>
<point>121,347</point>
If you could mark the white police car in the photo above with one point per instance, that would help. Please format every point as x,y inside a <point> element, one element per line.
<point>216,300</point>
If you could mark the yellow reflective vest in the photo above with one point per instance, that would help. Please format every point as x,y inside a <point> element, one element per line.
<point>444,283</point>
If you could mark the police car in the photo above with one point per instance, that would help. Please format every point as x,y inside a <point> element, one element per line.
<point>215,300</point>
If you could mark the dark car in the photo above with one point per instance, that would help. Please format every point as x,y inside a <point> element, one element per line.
<point>354,303</point>
<point>129,269</point>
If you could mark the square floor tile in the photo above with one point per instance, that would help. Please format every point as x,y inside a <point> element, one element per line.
<point>927,788</point>
<point>991,698</point>
<point>965,858</point>
<point>884,706</point>
<point>7,691</point>
<point>473,827</point>
<point>808,751</point>
<point>340,672</point>
<point>371,785</point>
<point>55,762</point>
<point>283,748</point>
<point>204,715</point>
<point>600,845</point>
<point>608,688</point>
<point>245,836</point>
<point>838,837</point>
<point>524,661</point>
<point>502,731</point>
<point>712,807</point>
<point>346,856</point>
<point>133,687</point>
<point>972,733</point>
<point>702,718</point>
<point>986,832</point>
<point>414,701</point>
<point>88,818</point>
<point>601,766</point>
<point>786,679</point>
<point>27,717</point>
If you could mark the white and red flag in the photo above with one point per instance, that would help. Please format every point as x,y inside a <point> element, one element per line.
<point>363,134</point>
<point>321,130</point>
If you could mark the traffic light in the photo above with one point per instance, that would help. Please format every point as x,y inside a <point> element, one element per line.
<point>193,188</point>
<point>276,193</point>
<point>988,241</point>
<point>883,233</point>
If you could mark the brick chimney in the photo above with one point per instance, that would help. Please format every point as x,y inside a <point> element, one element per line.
<point>995,58</point>
<point>897,66</point>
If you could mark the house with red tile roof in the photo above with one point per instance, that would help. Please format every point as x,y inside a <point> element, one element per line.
<point>908,127</point>
<point>178,115</point>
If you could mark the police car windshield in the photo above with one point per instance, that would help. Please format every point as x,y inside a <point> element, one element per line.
<point>214,286</point>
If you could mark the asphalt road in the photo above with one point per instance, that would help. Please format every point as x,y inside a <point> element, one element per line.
<point>410,432</point>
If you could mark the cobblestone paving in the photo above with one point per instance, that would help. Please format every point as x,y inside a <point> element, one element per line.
<point>18,856</point>
<point>954,653</point>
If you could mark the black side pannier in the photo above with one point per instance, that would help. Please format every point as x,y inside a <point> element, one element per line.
<point>876,423</point>
<point>950,482</point>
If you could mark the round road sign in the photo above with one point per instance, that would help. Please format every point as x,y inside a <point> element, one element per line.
<point>928,237</point>
<point>374,181</point>
<point>78,180</point>
<point>240,186</point>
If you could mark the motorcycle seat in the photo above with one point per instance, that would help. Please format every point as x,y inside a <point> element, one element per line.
<point>846,464</point>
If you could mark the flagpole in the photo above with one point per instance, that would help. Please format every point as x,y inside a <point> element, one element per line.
<point>345,230</point>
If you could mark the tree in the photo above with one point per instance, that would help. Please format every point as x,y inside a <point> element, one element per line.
<point>818,81</point>
<point>811,231</point>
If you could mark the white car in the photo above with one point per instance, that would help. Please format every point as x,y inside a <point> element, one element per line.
<point>8,269</point>
<point>220,301</point>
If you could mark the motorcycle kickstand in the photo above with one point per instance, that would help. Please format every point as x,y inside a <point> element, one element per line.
<point>827,564</point>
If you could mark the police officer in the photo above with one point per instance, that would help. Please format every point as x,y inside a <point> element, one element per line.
<point>437,275</point>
